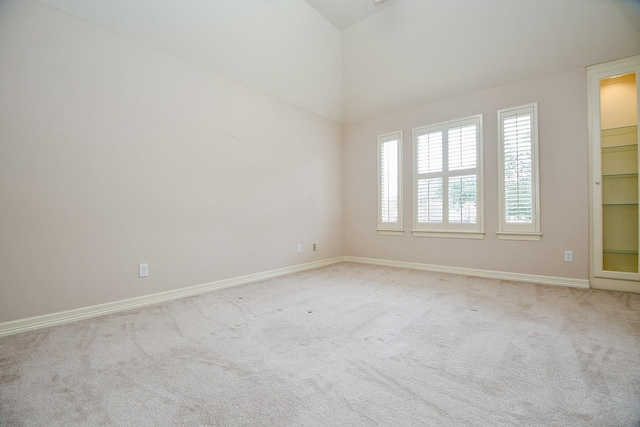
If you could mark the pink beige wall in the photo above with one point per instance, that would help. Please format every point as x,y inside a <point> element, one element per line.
<point>113,153</point>
<point>418,52</point>
<point>283,47</point>
<point>562,109</point>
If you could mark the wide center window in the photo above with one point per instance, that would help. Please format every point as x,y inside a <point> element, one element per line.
<point>448,179</point>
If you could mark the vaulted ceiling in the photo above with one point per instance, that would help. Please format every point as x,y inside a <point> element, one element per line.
<point>419,51</point>
<point>345,13</point>
<point>349,60</point>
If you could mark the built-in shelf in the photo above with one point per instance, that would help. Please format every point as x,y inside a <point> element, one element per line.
<point>620,147</point>
<point>620,175</point>
<point>620,252</point>
<point>615,237</point>
<point>620,199</point>
<point>622,130</point>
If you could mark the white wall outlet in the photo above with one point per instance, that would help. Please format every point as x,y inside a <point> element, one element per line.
<point>316,246</point>
<point>299,248</point>
<point>568,256</point>
<point>143,269</point>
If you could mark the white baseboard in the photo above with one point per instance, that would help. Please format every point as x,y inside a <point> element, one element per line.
<point>23,325</point>
<point>489,274</point>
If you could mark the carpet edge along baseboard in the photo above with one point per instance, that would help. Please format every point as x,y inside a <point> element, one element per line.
<point>43,321</point>
<point>475,272</point>
<point>58,318</point>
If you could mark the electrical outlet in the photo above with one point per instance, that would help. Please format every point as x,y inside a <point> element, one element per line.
<point>568,256</point>
<point>299,248</point>
<point>143,270</point>
<point>316,246</point>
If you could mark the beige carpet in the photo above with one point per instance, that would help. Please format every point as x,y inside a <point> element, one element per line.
<point>344,345</point>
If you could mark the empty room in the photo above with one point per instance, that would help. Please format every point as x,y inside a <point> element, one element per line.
<point>319,212</point>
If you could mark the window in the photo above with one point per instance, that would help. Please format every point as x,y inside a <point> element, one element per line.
<point>518,173</point>
<point>390,183</point>
<point>448,179</point>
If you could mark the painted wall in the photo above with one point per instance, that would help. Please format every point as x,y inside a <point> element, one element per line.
<point>282,47</point>
<point>562,110</point>
<point>418,52</point>
<point>113,153</point>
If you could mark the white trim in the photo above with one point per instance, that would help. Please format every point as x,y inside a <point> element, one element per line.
<point>477,235</point>
<point>47,320</point>
<point>29,324</point>
<point>508,235</point>
<point>474,272</point>
<point>391,232</point>
<point>608,284</point>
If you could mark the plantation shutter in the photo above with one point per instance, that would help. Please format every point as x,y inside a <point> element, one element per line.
<point>518,163</point>
<point>390,183</point>
<point>463,190</point>
<point>448,178</point>
<point>518,196</point>
<point>430,190</point>
<point>463,147</point>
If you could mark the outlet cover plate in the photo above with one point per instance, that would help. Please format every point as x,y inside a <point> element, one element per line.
<point>143,270</point>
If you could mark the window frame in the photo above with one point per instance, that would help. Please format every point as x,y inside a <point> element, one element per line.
<point>447,229</point>
<point>511,230</point>
<point>390,228</point>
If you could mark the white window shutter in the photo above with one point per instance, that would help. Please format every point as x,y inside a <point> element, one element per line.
<point>390,183</point>
<point>389,180</point>
<point>518,173</point>
<point>463,147</point>
<point>430,152</point>
<point>448,179</point>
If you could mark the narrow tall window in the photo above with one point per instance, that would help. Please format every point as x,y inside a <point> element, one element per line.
<point>390,183</point>
<point>448,179</point>
<point>518,173</point>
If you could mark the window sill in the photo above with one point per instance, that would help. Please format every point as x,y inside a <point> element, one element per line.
<point>391,232</point>
<point>476,235</point>
<point>531,237</point>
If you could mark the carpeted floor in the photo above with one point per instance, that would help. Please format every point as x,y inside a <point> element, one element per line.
<point>344,345</point>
